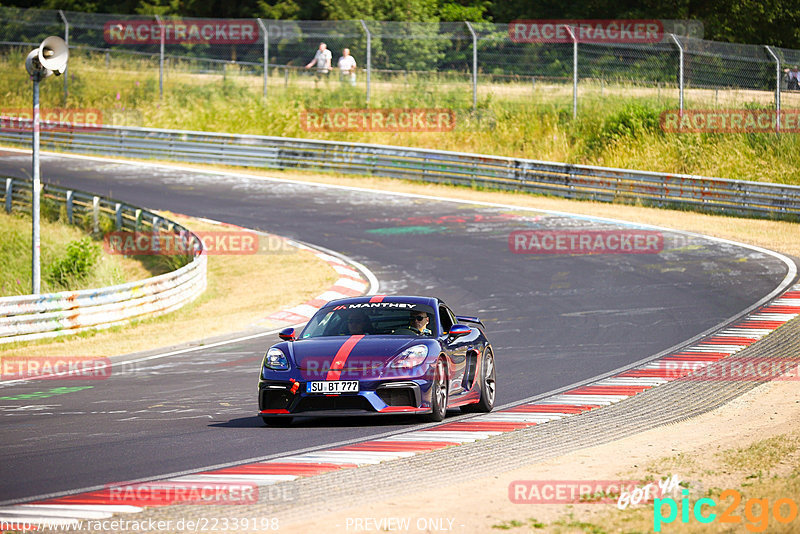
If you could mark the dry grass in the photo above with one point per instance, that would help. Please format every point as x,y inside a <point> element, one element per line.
<point>764,471</point>
<point>241,291</point>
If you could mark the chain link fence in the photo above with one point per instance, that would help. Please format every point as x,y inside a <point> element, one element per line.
<point>451,63</point>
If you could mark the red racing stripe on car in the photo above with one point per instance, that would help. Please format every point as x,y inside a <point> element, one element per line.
<point>377,298</point>
<point>341,356</point>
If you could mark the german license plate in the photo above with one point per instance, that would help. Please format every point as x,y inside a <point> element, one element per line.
<point>333,386</point>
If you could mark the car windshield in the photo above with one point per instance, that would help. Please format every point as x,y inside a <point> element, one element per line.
<point>398,319</point>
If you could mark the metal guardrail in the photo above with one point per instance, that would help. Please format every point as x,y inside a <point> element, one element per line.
<point>28,317</point>
<point>558,179</point>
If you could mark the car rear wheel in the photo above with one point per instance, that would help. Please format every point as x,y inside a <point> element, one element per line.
<point>488,386</point>
<point>438,393</point>
<point>276,421</point>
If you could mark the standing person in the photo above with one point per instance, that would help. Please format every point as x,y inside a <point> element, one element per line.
<point>347,67</point>
<point>322,59</point>
<point>794,79</point>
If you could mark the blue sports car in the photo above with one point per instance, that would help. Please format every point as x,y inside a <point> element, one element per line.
<point>379,355</point>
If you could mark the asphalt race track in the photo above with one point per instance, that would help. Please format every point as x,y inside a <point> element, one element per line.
<point>554,320</point>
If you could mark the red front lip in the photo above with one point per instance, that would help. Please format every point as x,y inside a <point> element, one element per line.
<point>273,411</point>
<point>404,409</point>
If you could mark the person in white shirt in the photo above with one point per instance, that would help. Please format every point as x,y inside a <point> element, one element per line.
<point>322,59</point>
<point>794,79</point>
<point>347,67</point>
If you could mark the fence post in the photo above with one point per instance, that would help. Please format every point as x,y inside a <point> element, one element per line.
<point>9,193</point>
<point>118,213</point>
<point>160,59</point>
<point>266,54</point>
<point>66,40</point>
<point>474,66</point>
<point>96,215</point>
<point>69,207</point>
<point>777,89</point>
<point>574,71</point>
<point>369,56</point>
<point>680,72</point>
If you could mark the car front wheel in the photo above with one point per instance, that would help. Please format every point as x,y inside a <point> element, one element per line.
<point>439,393</point>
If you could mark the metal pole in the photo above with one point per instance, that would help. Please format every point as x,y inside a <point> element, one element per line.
<point>35,236</point>
<point>66,40</point>
<point>266,54</point>
<point>680,72</point>
<point>777,88</point>
<point>474,66</point>
<point>161,60</point>
<point>369,57</point>
<point>574,72</point>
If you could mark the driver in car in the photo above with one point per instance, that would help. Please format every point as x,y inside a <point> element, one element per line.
<point>418,324</point>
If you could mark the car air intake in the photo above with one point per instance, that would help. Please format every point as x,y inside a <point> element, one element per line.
<point>397,396</point>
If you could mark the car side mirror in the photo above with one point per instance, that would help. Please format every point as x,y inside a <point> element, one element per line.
<point>459,330</point>
<point>287,334</point>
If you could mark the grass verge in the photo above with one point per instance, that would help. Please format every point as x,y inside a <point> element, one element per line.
<point>15,257</point>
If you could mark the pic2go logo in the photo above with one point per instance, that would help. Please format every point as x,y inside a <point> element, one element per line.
<point>756,511</point>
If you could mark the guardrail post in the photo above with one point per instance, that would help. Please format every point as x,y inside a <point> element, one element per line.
<point>69,207</point>
<point>369,57</point>
<point>96,214</point>
<point>474,66</point>
<point>680,72</point>
<point>118,213</point>
<point>154,242</point>
<point>777,89</point>
<point>137,220</point>
<point>66,68</point>
<point>9,193</point>
<point>266,54</point>
<point>574,71</point>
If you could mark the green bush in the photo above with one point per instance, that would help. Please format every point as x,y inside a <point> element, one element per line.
<point>81,257</point>
<point>48,209</point>
<point>631,122</point>
<point>107,224</point>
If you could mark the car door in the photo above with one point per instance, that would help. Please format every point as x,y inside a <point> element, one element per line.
<point>455,349</point>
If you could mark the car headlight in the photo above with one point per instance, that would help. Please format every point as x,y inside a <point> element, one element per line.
<point>411,357</point>
<point>276,360</point>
